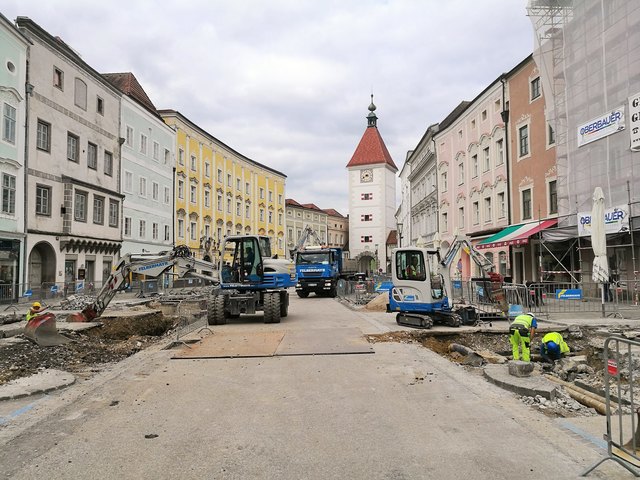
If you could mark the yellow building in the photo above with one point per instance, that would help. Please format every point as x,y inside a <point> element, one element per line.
<point>220,192</point>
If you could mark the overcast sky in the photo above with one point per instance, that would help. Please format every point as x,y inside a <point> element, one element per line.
<point>288,82</point>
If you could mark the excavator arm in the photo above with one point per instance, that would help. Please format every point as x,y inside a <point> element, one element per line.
<point>152,265</point>
<point>307,233</point>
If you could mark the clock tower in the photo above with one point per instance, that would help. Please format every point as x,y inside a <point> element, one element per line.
<point>372,198</point>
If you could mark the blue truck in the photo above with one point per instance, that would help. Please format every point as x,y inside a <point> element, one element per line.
<point>318,270</point>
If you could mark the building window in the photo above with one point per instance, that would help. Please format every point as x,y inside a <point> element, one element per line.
<point>476,213</point>
<point>193,230</point>
<point>80,94</point>
<point>8,194</point>
<point>58,78</point>
<point>484,115</point>
<point>500,152</point>
<point>443,178</point>
<point>247,188</point>
<point>553,197</point>
<point>228,180</point>
<point>100,105</point>
<point>80,207</point>
<point>9,124</point>
<point>180,228</point>
<point>181,189</point>
<point>193,163</point>
<point>128,182</point>
<point>180,156</point>
<point>228,205</point>
<point>73,147</point>
<point>220,175</point>
<point>270,196</point>
<point>501,205</point>
<point>155,191</point>
<point>193,193</point>
<point>473,124</point>
<point>129,137</point>
<point>445,222</point>
<point>262,215</point>
<point>261,193</point>
<point>207,198</point>
<point>270,219</point>
<point>207,169</point>
<point>460,173</point>
<point>114,213</point>
<point>219,202</point>
<point>92,156</point>
<point>43,140</point>
<point>279,199</point>
<point>238,208</point>
<point>366,238</point>
<point>167,233</point>
<point>43,200</point>
<point>143,144</point>
<point>523,140</point>
<point>461,218</point>
<point>154,231</point>
<point>247,211</point>
<point>142,190</point>
<point>98,210</point>
<point>488,214</point>
<point>167,195</point>
<point>526,204</point>
<point>167,156</point>
<point>474,165</point>
<point>502,258</point>
<point>366,196</point>
<point>142,230</point>
<point>487,160</point>
<point>535,88</point>
<point>127,226</point>
<point>280,218</point>
<point>238,184</point>
<point>366,218</point>
<point>551,135</point>
<point>108,163</point>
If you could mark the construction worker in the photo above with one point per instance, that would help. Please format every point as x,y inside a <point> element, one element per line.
<point>553,347</point>
<point>34,311</point>
<point>520,335</point>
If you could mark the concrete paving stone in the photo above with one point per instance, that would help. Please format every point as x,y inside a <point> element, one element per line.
<point>45,381</point>
<point>527,386</point>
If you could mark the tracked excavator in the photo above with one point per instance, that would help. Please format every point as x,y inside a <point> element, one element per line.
<point>246,279</point>
<point>422,284</point>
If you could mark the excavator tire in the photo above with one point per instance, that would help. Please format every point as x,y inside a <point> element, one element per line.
<point>284,305</point>
<point>272,307</point>
<point>215,311</point>
<point>302,293</point>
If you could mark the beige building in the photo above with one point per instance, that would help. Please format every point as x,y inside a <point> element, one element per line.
<point>337,228</point>
<point>299,216</point>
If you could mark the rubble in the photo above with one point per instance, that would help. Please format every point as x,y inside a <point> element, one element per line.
<point>563,405</point>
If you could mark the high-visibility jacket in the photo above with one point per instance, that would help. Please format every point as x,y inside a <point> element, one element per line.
<point>556,338</point>
<point>526,320</point>
<point>31,314</point>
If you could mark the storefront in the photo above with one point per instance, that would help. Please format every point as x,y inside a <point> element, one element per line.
<point>9,270</point>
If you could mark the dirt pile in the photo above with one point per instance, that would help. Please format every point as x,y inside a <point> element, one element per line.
<point>378,304</point>
<point>117,339</point>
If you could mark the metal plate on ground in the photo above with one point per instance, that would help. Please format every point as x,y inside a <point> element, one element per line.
<point>327,341</point>
<point>234,344</point>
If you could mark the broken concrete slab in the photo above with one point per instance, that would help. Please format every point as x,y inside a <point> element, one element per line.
<point>518,368</point>
<point>526,386</point>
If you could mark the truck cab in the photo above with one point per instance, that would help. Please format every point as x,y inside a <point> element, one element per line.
<point>318,271</point>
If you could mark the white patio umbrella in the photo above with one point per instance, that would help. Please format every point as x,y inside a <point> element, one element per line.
<point>600,271</point>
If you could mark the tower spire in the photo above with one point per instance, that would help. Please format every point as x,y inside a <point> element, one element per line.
<point>372,120</point>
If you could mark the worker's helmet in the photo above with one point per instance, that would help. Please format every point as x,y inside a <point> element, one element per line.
<point>36,305</point>
<point>553,350</point>
<point>531,314</point>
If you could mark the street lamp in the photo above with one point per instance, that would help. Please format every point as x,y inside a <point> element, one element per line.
<point>399,234</point>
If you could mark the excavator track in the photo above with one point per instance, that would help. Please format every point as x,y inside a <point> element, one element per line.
<point>414,320</point>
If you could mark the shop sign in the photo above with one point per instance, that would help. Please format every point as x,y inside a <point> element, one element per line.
<point>616,220</point>
<point>634,124</point>
<point>601,126</point>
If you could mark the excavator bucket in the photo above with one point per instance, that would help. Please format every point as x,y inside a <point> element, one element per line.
<point>43,331</point>
<point>86,315</point>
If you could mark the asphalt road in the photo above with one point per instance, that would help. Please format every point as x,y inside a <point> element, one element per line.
<point>400,413</point>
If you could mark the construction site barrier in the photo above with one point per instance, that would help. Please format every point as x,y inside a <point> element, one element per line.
<point>621,360</point>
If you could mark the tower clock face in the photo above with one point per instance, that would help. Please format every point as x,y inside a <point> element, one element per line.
<point>366,175</point>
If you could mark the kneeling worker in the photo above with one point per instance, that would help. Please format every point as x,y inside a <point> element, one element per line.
<point>35,310</point>
<point>520,334</point>
<point>553,347</point>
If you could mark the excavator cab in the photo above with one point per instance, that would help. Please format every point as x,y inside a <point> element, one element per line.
<point>241,259</point>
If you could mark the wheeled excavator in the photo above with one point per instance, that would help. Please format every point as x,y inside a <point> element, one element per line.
<point>246,279</point>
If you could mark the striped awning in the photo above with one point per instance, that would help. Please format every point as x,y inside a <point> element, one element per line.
<point>516,234</point>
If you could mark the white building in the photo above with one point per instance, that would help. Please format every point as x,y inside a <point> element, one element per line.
<point>74,202</point>
<point>372,198</point>
<point>13,74</point>
<point>147,170</point>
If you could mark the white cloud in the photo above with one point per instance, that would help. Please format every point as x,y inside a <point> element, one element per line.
<point>287,82</point>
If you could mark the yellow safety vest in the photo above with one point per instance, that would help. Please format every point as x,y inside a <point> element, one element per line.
<point>556,338</point>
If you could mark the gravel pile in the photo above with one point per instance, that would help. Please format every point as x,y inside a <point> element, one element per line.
<point>563,405</point>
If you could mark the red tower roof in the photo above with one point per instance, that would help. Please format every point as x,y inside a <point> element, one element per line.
<point>371,150</point>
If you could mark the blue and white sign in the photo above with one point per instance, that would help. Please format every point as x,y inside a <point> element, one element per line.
<point>602,126</point>
<point>569,294</point>
<point>616,220</point>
